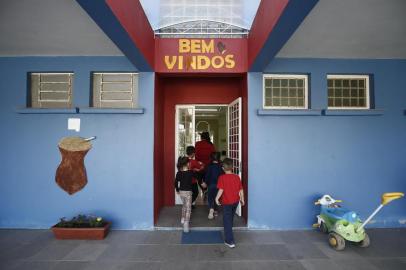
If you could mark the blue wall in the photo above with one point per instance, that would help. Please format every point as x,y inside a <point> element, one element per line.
<point>293,160</point>
<point>119,166</point>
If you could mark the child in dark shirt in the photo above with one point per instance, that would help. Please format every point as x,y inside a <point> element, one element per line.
<point>231,193</point>
<point>213,171</point>
<point>183,187</point>
<point>195,166</point>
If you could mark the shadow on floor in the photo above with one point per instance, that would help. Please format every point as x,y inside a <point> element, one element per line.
<point>170,217</point>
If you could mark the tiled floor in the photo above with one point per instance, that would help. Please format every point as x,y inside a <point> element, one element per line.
<point>37,249</point>
<point>169,217</point>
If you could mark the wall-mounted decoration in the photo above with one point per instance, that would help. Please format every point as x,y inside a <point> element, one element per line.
<point>71,172</point>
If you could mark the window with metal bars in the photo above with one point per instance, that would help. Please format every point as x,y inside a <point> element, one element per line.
<point>115,90</point>
<point>285,91</point>
<point>348,91</point>
<point>51,90</point>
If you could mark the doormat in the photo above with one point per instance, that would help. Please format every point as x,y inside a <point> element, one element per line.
<point>202,237</point>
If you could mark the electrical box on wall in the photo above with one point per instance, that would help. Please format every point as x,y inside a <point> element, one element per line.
<point>74,124</point>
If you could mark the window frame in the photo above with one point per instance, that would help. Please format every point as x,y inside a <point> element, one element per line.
<point>287,76</point>
<point>352,76</point>
<point>68,103</point>
<point>134,92</point>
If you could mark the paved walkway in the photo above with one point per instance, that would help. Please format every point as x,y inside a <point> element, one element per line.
<point>37,249</point>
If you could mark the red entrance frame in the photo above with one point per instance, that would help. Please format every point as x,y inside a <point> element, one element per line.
<point>190,89</point>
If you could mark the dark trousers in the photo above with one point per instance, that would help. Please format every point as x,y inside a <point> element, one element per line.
<point>195,192</point>
<point>228,218</point>
<point>211,196</point>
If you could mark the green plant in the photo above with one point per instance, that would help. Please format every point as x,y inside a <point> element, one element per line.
<point>81,221</point>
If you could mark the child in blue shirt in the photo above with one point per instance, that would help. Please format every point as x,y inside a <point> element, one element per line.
<point>213,171</point>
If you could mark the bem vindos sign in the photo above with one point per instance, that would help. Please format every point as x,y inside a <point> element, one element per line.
<point>200,55</point>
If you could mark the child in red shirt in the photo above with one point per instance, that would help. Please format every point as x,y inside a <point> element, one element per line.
<point>231,193</point>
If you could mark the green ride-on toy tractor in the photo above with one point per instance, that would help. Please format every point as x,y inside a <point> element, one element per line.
<point>342,224</point>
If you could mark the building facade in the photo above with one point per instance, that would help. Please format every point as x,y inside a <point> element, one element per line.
<point>321,88</point>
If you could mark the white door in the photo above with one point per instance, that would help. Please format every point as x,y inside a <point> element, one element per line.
<point>234,139</point>
<point>184,134</point>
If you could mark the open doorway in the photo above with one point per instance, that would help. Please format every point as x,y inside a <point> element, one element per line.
<point>184,107</point>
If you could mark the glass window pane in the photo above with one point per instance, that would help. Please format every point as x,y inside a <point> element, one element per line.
<point>337,83</point>
<point>354,93</point>
<point>361,83</point>
<point>284,92</point>
<point>276,82</point>
<point>284,82</point>
<point>337,93</point>
<point>330,92</point>
<point>346,92</point>
<point>292,82</point>
<point>338,102</point>
<point>354,83</point>
<point>300,92</point>
<point>330,102</point>
<point>268,82</point>
<point>346,102</point>
<point>284,102</point>
<point>361,102</point>
<point>292,92</point>
<point>330,83</point>
<point>268,92</point>
<point>346,83</point>
<point>276,92</point>
<point>354,102</point>
<point>293,102</point>
<point>300,83</point>
<point>276,102</point>
<point>300,102</point>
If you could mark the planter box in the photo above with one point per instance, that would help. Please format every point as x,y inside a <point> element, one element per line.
<point>81,233</point>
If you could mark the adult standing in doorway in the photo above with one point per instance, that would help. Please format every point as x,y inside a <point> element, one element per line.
<point>204,149</point>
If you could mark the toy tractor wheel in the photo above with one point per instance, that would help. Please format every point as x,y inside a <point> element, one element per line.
<point>336,241</point>
<point>323,227</point>
<point>364,243</point>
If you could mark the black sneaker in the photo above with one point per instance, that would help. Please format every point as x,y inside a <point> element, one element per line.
<point>232,245</point>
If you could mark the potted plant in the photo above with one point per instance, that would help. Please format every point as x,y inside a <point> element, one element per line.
<point>81,227</point>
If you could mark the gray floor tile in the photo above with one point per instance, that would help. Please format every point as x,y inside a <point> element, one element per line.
<point>389,264</point>
<point>54,251</point>
<point>9,264</point>
<point>123,266</point>
<point>267,265</point>
<point>69,265</point>
<point>305,251</point>
<point>380,248</point>
<point>244,252</point>
<point>23,251</point>
<point>319,264</point>
<point>257,237</point>
<point>86,252</point>
<point>347,253</point>
<point>43,265</point>
<point>294,237</point>
<point>180,253</point>
<point>355,264</point>
<point>181,265</point>
<point>126,237</point>
<point>214,265</point>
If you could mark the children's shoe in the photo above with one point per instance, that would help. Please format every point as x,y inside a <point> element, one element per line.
<point>232,245</point>
<point>182,220</point>
<point>186,227</point>
<point>211,213</point>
